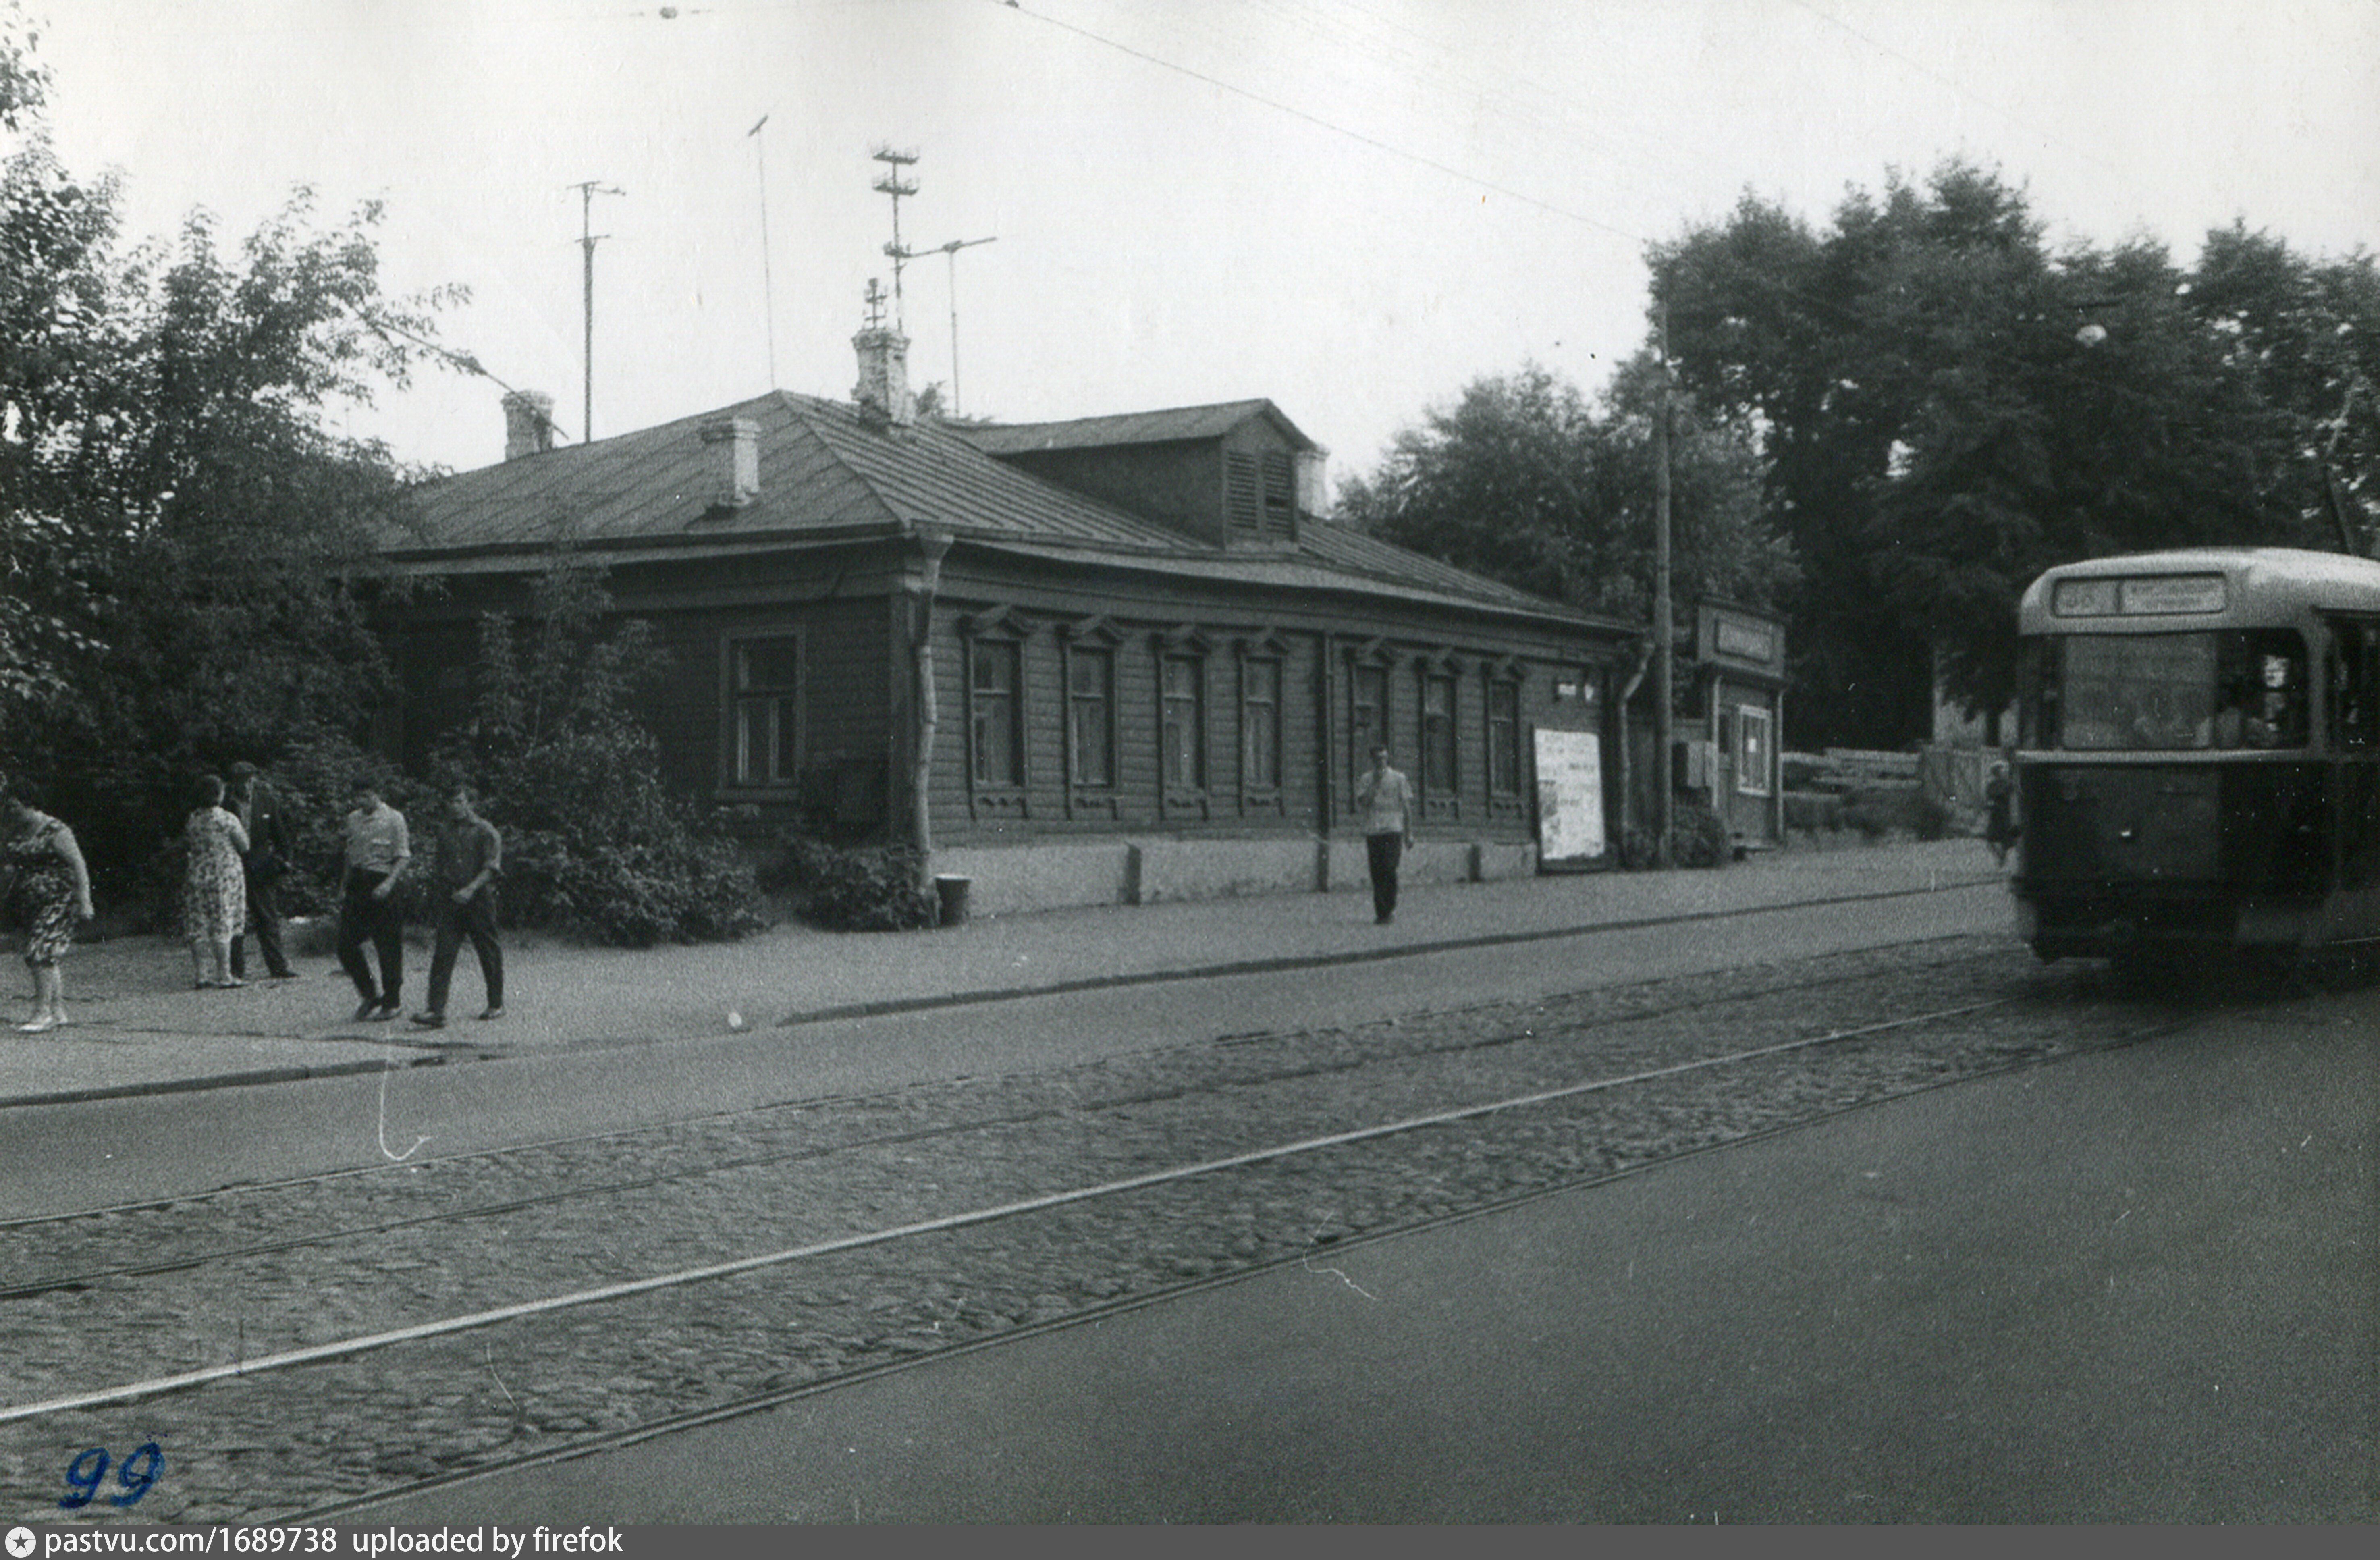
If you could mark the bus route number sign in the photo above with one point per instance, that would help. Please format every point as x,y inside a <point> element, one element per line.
<point>2150,596</point>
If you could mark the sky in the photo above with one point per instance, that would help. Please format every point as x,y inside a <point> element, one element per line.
<point>1354,208</point>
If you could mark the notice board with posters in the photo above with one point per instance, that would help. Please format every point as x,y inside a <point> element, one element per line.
<point>1570,799</point>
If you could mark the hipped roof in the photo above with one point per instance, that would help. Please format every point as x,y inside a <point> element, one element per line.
<point>825,474</point>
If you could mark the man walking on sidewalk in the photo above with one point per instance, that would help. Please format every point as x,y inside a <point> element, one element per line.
<point>267,860</point>
<point>377,851</point>
<point>1385,801</point>
<point>470,857</point>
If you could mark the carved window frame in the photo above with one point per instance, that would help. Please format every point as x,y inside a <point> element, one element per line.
<point>1004,627</point>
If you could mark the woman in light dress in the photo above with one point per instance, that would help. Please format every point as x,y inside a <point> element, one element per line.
<point>215,891</point>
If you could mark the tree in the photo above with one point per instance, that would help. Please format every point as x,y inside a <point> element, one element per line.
<point>1950,406</point>
<point>1522,481</point>
<point>185,532</point>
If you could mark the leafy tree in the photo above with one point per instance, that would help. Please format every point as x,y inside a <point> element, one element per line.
<point>1523,481</point>
<point>183,529</point>
<point>1950,406</point>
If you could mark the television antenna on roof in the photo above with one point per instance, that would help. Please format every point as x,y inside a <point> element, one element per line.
<point>587,189</point>
<point>893,184</point>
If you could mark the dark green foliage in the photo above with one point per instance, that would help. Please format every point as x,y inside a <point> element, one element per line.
<point>181,526</point>
<point>863,888</point>
<point>1814,812</point>
<point>1881,810</point>
<point>1525,481</point>
<point>1698,839</point>
<point>594,844</point>
<point>1949,406</point>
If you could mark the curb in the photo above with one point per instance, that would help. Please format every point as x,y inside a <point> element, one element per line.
<point>299,1072</point>
<point>1355,956</point>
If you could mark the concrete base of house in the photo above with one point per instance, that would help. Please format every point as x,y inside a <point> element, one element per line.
<point>1056,875</point>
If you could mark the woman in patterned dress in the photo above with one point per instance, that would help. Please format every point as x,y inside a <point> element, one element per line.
<point>215,891</point>
<point>51,890</point>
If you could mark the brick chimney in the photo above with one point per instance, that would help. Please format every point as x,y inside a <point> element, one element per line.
<point>734,445</point>
<point>883,389</point>
<point>528,422</point>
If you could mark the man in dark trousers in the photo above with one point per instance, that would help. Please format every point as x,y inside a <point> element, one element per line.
<point>1384,802</point>
<point>267,861</point>
<point>463,894</point>
<point>378,848</point>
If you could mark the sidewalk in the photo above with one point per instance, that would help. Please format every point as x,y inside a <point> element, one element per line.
<point>139,1027</point>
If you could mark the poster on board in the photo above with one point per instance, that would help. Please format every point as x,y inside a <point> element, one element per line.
<point>1570,798</point>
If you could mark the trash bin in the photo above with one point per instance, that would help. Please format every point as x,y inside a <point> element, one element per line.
<point>953,892</point>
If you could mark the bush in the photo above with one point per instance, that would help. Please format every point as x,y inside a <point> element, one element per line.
<point>594,842</point>
<point>1882,810</point>
<point>1698,839</point>
<point>677,889</point>
<point>1813,811</point>
<point>843,888</point>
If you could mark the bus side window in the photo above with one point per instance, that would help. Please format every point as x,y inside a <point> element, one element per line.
<point>2354,668</point>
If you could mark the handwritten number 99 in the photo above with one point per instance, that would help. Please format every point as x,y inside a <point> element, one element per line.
<point>136,1473</point>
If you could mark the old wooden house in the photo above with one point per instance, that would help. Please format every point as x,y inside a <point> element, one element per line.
<point>1112,660</point>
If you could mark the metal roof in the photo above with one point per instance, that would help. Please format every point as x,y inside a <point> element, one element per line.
<point>825,474</point>
<point>2339,581</point>
<point>1174,425</point>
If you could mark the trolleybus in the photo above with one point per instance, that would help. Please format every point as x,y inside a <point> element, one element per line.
<point>2198,765</point>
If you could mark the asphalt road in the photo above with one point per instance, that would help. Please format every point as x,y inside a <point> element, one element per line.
<point>2139,1286</point>
<point>97,1153</point>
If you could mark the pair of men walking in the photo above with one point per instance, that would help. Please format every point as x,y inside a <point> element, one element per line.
<point>470,857</point>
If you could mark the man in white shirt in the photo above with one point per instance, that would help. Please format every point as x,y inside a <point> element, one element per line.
<point>1384,800</point>
<point>378,848</point>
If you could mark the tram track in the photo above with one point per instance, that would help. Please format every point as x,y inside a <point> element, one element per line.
<point>160,1219</point>
<point>939,1226</point>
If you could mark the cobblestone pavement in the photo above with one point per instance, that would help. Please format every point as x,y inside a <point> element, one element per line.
<point>253,1272</point>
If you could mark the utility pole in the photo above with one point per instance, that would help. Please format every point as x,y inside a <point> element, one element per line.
<point>587,238</point>
<point>1664,636</point>
<point>767,283</point>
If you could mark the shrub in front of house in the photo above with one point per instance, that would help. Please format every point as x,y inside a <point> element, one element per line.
<point>595,844</point>
<point>1698,839</point>
<point>854,888</point>
<point>677,889</point>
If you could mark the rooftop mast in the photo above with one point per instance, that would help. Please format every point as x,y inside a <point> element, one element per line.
<point>588,191</point>
<point>893,184</point>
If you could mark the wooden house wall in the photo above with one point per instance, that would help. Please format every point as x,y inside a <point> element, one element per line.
<point>1316,641</point>
<point>834,604</point>
<point>857,711</point>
